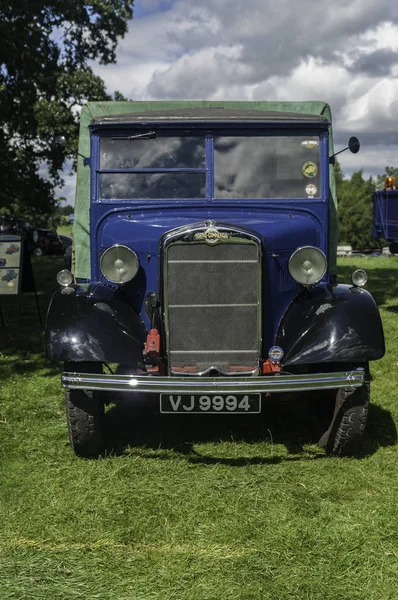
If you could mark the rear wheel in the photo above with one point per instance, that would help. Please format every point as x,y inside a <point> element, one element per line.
<point>345,434</point>
<point>85,415</point>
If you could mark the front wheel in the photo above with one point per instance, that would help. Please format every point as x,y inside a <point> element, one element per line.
<point>85,415</point>
<point>351,411</point>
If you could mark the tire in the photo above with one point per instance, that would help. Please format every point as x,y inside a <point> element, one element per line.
<point>68,258</point>
<point>85,418</point>
<point>345,434</point>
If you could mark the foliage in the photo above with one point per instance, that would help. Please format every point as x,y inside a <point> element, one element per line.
<point>60,216</point>
<point>356,210</point>
<point>45,77</point>
<point>193,508</point>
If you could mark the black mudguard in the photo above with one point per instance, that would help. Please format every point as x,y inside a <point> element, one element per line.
<point>93,325</point>
<point>334,323</point>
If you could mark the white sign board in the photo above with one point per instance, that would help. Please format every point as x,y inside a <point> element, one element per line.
<point>10,264</point>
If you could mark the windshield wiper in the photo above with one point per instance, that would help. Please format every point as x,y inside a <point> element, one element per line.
<point>147,136</point>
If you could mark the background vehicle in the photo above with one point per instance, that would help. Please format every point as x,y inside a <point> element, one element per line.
<point>3,262</point>
<point>66,240</point>
<point>68,258</point>
<point>210,263</point>
<point>385,217</point>
<point>44,241</point>
<point>13,224</point>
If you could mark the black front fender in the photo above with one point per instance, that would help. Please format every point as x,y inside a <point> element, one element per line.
<point>338,323</point>
<point>93,325</point>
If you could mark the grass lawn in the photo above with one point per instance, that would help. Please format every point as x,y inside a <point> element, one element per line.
<point>65,230</point>
<point>192,508</point>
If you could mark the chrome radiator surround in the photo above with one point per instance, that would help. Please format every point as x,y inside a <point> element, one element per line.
<point>211,298</point>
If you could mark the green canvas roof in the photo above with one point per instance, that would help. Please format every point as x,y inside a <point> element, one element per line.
<point>138,112</point>
<point>215,115</point>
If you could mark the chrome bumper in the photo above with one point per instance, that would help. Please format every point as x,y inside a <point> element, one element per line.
<point>205,385</point>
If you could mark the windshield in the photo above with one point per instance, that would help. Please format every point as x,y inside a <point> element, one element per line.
<point>166,159</point>
<point>266,167</point>
<point>220,167</point>
<point>153,153</point>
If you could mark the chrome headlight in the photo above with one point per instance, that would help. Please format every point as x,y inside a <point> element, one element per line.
<point>307,265</point>
<point>119,264</point>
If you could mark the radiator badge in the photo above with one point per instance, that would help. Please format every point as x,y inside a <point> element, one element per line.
<point>211,235</point>
<point>276,353</point>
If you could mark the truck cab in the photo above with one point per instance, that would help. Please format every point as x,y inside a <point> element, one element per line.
<point>210,273</point>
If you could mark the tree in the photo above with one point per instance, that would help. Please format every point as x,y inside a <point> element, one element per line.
<point>355,207</point>
<point>45,47</point>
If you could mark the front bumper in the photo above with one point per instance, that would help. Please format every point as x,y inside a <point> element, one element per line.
<point>205,385</point>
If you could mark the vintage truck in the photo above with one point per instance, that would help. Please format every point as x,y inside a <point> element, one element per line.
<point>205,268</point>
<point>385,214</point>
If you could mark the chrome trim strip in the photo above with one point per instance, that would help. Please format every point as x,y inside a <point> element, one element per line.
<point>206,385</point>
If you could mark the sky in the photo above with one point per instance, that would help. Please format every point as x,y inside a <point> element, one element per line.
<point>343,52</point>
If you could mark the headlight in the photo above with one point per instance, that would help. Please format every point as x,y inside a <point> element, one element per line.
<point>119,264</point>
<point>307,265</point>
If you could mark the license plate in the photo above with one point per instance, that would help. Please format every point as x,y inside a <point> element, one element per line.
<point>210,403</point>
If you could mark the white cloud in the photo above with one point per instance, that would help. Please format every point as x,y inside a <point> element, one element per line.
<point>198,74</point>
<point>371,160</point>
<point>344,53</point>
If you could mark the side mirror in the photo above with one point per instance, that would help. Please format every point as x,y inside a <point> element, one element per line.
<point>59,141</point>
<point>353,144</point>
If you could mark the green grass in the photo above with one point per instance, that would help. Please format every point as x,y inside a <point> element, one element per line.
<point>65,230</point>
<point>192,508</point>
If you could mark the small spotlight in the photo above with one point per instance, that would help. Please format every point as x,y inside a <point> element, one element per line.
<point>65,278</point>
<point>359,278</point>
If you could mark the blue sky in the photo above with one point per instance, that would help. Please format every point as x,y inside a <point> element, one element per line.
<point>342,52</point>
<point>145,8</point>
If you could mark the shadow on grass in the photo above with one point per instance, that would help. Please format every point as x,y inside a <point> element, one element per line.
<point>381,431</point>
<point>289,423</point>
<point>392,309</point>
<point>25,353</point>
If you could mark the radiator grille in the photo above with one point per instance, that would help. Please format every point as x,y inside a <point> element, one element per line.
<point>212,306</point>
